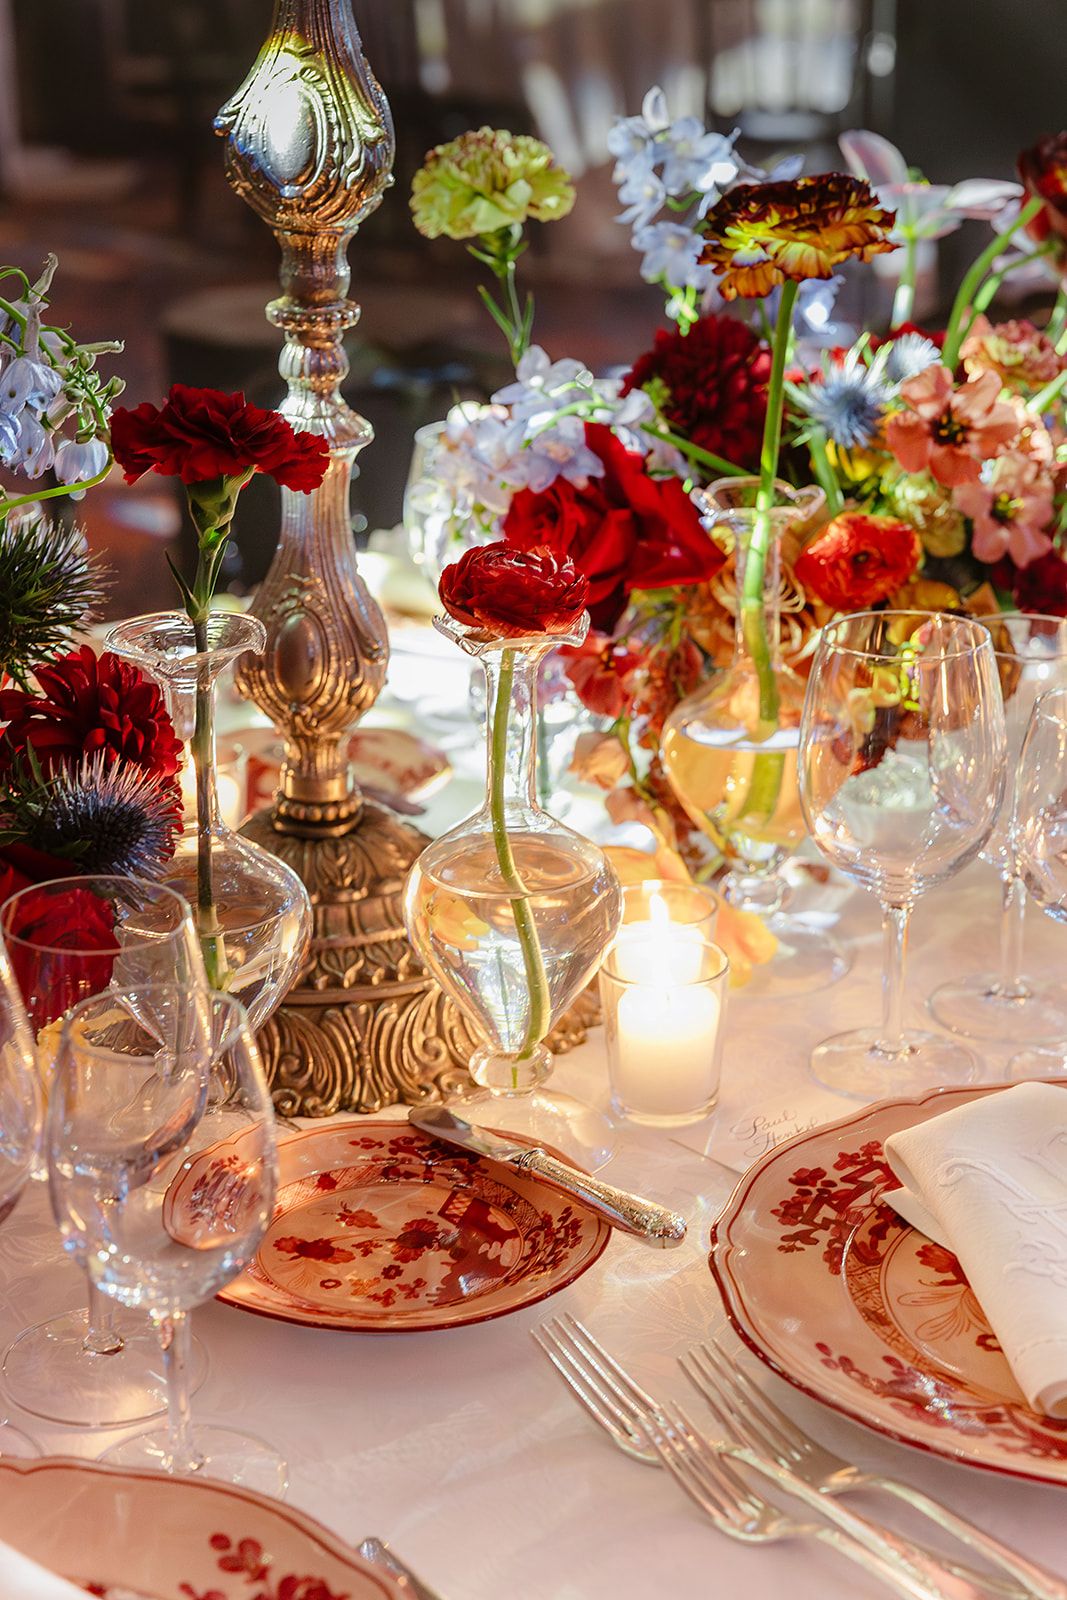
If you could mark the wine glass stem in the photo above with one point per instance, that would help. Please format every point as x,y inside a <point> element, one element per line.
<point>1012,985</point>
<point>102,1338</point>
<point>895,921</point>
<point>175,1341</point>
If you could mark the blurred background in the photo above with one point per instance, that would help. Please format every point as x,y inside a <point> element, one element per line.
<point>107,157</point>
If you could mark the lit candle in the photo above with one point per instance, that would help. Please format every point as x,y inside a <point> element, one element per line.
<point>658,950</point>
<point>665,1064</point>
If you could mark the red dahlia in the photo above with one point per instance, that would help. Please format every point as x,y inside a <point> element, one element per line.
<point>1040,586</point>
<point>88,705</point>
<point>710,385</point>
<point>1043,170</point>
<point>512,593</point>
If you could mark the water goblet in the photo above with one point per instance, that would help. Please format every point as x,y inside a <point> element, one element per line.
<point>902,770</point>
<point>1039,840</point>
<point>163,1170</point>
<point>1031,654</point>
<point>67,940</point>
<point>20,1132</point>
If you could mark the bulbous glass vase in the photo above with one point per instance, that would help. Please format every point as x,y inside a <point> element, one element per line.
<point>730,748</point>
<point>513,912</point>
<point>252,911</point>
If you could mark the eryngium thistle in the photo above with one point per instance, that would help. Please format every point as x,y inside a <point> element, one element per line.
<point>108,819</point>
<point>49,589</point>
<point>848,404</point>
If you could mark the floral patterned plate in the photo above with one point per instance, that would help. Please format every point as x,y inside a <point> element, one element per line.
<point>206,1540</point>
<point>847,1302</point>
<point>381,1229</point>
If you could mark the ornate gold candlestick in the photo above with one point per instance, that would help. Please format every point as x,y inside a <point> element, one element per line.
<point>309,146</point>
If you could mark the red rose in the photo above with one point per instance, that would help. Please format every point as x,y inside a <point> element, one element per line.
<point>62,945</point>
<point>201,434</point>
<point>511,593</point>
<point>625,530</point>
<point>710,384</point>
<point>85,705</point>
<point>602,674</point>
<point>1043,170</point>
<point>857,561</point>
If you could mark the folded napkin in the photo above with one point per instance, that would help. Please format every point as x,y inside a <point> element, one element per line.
<point>23,1579</point>
<point>988,1180</point>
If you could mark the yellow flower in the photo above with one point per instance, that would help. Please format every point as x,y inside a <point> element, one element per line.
<point>927,505</point>
<point>483,182</point>
<point>760,234</point>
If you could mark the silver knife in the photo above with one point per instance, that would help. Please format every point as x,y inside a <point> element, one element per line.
<point>643,1218</point>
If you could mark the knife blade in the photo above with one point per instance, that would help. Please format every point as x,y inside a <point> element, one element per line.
<point>644,1219</point>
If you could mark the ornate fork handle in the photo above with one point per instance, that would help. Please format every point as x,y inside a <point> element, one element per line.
<point>1037,1581</point>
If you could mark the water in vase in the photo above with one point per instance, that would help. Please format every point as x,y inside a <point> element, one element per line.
<point>741,791</point>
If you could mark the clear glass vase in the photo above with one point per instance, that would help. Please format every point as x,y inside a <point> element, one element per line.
<point>252,912</point>
<point>512,912</point>
<point>730,748</point>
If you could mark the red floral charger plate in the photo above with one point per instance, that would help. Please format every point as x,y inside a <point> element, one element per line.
<point>123,1532</point>
<point>844,1300</point>
<point>381,1229</point>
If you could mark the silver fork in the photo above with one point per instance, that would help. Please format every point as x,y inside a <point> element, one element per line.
<point>638,1424</point>
<point>751,1416</point>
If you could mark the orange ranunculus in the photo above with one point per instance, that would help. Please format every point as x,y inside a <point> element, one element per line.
<point>857,561</point>
<point>950,431</point>
<point>760,234</point>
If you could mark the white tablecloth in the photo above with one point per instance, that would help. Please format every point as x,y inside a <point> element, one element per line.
<point>463,1447</point>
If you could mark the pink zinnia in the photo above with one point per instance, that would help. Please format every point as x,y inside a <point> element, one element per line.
<point>1010,511</point>
<point>950,431</point>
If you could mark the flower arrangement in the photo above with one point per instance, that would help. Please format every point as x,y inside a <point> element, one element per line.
<point>940,453</point>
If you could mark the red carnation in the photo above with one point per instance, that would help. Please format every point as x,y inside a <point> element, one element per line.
<point>88,705</point>
<point>511,593</point>
<point>1043,170</point>
<point>710,384</point>
<point>602,674</point>
<point>625,530</point>
<point>858,561</point>
<point>202,434</point>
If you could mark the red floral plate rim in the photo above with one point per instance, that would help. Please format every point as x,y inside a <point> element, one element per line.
<point>230,1552</point>
<point>728,1241</point>
<point>554,1243</point>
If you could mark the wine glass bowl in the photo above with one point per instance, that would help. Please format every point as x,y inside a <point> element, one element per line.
<point>902,774</point>
<point>20,1132</point>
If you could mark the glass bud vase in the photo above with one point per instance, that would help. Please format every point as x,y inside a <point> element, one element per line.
<point>730,748</point>
<point>252,911</point>
<point>511,911</point>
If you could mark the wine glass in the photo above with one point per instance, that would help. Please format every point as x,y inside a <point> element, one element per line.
<point>1031,654</point>
<point>67,940</point>
<point>163,1170</point>
<point>20,1132</point>
<point>902,765</point>
<point>1039,838</point>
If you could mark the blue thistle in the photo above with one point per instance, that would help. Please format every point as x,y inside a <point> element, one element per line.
<point>848,405</point>
<point>909,355</point>
<point>109,818</point>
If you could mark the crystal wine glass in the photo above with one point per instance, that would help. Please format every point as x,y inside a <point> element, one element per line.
<point>1031,654</point>
<point>20,1132</point>
<point>1039,839</point>
<point>163,1171</point>
<point>68,940</point>
<point>902,766</point>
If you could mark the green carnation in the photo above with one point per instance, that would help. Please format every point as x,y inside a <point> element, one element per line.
<point>483,182</point>
<point>927,505</point>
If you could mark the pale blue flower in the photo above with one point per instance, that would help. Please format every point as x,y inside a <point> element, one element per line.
<point>77,463</point>
<point>672,255</point>
<point>909,355</point>
<point>848,404</point>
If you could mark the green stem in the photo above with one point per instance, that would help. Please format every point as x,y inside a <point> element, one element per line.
<point>202,749</point>
<point>1056,326</point>
<point>825,476</point>
<point>954,333</point>
<point>693,452</point>
<point>904,299</point>
<point>60,488</point>
<point>525,927</point>
<point>1044,397</point>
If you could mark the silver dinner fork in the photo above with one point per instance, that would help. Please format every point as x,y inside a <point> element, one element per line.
<point>752,1418</point>
<point>647,1429</point>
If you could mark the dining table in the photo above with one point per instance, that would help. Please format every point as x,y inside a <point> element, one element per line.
<point>462,1447</point>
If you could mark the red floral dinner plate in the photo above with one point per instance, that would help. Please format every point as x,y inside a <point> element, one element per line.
<point>381,1229</point>
<point>847,1302</point>
<point>125,1533</point>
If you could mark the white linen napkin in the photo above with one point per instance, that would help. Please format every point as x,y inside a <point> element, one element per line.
<point>23,1579</point>
<point>988,1180</point>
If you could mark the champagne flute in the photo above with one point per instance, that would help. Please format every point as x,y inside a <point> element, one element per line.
<point>1031,654</point>
<point>1039,839</point>
<point>67,940</point>
<point>902,769</point>
<point>163,1170</point>
<point>20,1132</point>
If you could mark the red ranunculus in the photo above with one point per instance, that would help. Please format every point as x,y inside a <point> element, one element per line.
<point>857,561</point>
<point>602,674</point>
<point>510,593</point>
<point>1043,170</point>
<point>710,384</point>
<point>201,434</point>
<point>625,530</point>
<point>62,945</point>
<point>87,705</point>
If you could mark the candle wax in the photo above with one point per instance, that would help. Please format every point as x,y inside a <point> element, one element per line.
<point>665,1060</point>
